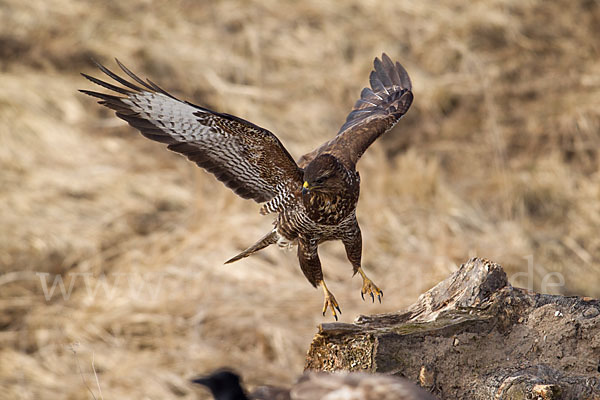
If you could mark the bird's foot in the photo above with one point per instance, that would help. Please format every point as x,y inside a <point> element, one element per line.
<point>369,288</point>
<point>330,302</point>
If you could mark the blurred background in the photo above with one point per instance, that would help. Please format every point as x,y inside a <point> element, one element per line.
<point>112,248</point>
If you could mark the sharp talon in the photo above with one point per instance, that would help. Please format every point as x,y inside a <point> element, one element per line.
<point>370,288</point>
<point>330,302</point>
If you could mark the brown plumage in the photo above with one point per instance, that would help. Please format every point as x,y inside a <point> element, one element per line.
<point>315,199</point>
<point>225,385</point>
<point>356,385</point>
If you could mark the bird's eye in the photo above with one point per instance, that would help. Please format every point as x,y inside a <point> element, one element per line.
<point>320,180</point>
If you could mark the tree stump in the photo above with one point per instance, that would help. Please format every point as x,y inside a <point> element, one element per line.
<point>474,336</point>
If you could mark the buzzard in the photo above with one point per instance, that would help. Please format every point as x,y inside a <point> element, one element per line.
<point>314,199</point>
<point>225,385</point>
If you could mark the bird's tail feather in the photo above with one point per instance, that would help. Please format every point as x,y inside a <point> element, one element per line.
<point>267,240</point>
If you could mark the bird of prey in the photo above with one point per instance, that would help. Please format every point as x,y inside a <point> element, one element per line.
<point>225,385</point>
<point>314,199</point>
<point>356,385</point>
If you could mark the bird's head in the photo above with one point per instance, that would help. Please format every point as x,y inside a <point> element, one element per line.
<point>325,174</point>
<point>224,385</point>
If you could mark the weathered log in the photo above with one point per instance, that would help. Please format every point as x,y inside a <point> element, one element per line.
<point>474,336</point>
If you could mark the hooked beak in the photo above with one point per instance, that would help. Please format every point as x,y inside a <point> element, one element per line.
<point>305,188</point>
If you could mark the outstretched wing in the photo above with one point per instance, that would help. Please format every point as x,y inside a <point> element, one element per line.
<point>247,158</point>
<point>377,111</point>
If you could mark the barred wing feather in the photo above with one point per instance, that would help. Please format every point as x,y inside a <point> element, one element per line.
<point>379,108</point>
<point>247,158</point>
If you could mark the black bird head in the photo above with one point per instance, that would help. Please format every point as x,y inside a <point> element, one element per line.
<point>224,385</point>
<point>325,174</point>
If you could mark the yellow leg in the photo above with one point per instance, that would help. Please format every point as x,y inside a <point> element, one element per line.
<point>330,301</point>
<point>369,287</point>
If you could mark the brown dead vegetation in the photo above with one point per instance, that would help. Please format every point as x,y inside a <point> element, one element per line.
<point>498,157</point>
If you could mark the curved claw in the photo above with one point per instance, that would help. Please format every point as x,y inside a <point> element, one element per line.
<point>371,289</point>
<point>330,302</point>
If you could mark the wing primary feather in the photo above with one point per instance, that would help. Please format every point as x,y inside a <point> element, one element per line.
<point>404,78</point>
<point>107,85</point>
<point>116,77</point>
<point>390,70</point>
<point>132,75</point>
<point>110,101</point>
<point>100,95</point>
<point>383,77</point>
<point>376,84</point>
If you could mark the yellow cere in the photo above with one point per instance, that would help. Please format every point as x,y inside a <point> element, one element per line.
<point>305,185</point>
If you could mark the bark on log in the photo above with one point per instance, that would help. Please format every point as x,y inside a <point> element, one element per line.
<point>474,336</point>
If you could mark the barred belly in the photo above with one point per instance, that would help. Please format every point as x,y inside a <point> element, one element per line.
<point>292,224</point>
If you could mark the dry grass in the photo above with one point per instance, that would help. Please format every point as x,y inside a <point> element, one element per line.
<point>498,157</point>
